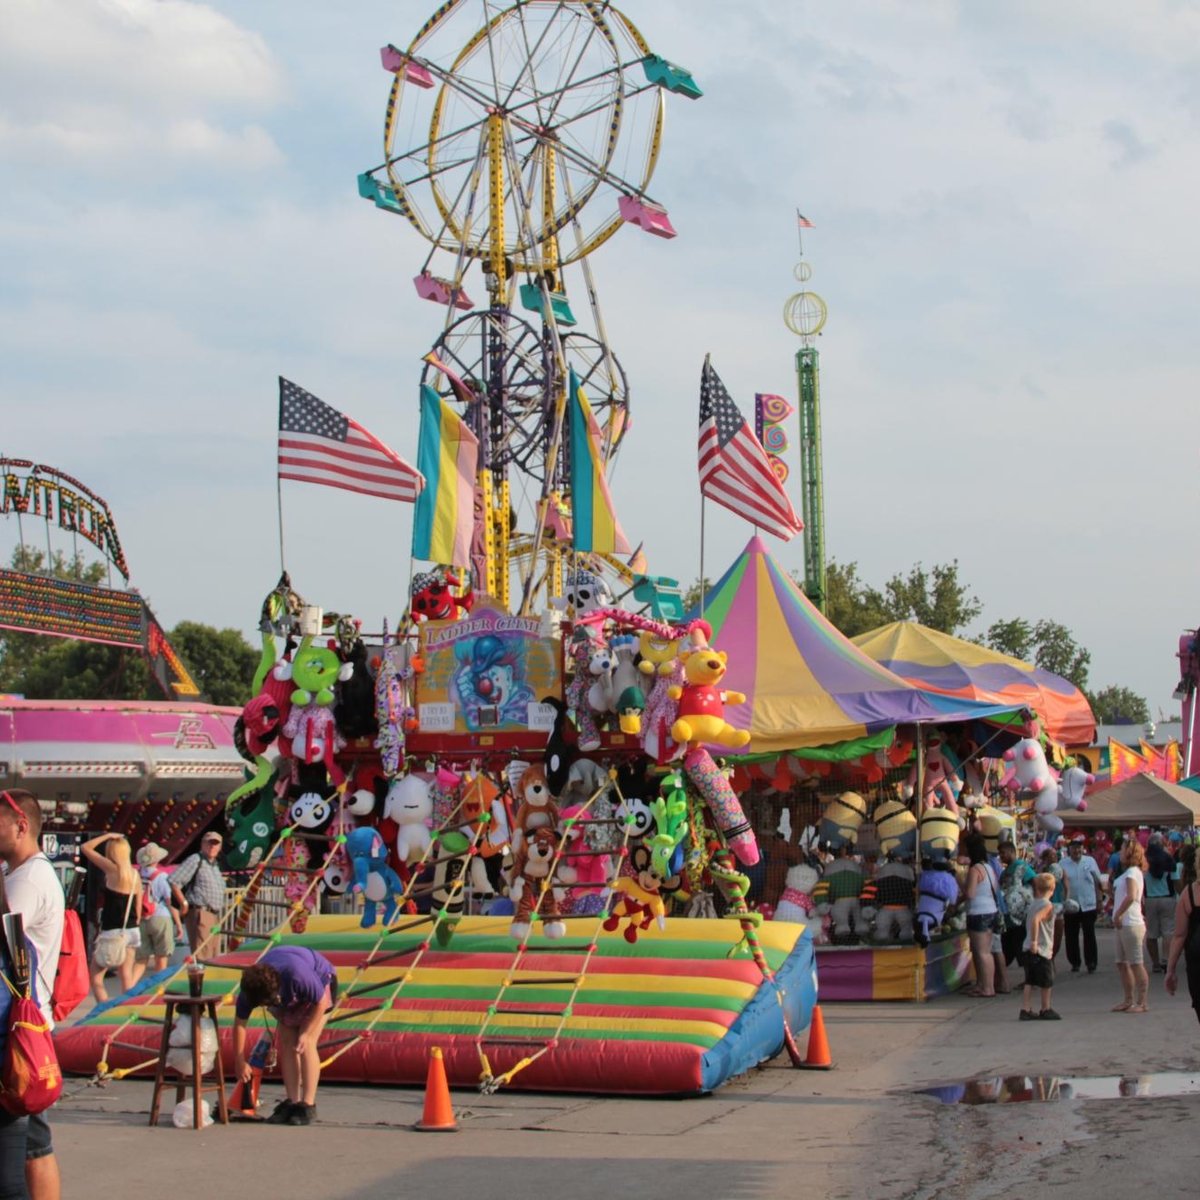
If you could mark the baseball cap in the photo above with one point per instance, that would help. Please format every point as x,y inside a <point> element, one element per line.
<point>211,836</point>
<point>1078,840</point>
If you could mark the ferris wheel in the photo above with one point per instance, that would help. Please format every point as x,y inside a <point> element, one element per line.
<point>518,138</point>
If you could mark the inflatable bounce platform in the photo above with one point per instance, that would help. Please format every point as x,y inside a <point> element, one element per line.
<point>677,1012</point>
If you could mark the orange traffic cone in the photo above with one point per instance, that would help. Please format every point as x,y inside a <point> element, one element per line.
<point>439,1113</point>
<point>819,1058</point>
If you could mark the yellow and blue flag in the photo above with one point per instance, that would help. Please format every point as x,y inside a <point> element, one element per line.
<point>595,527</point>
<point>449,456</point>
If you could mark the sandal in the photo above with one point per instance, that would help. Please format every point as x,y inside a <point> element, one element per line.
<point>1124,1006</point>
<point>1138,1008</point>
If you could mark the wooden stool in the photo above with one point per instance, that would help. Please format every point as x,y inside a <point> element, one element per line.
<point>196,1007</point>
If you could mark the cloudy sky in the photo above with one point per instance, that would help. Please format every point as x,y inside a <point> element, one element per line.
<point>1003,198</point>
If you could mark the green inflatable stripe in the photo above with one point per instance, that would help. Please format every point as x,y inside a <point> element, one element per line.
<point>420,991</point>
<point>676,949</point>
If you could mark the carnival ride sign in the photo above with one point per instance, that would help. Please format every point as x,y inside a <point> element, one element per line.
<point>483,682</point>
<point>41,602</point>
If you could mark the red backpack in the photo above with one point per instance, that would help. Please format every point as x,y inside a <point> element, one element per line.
<point>71,983</point>
<point>30,1077</point>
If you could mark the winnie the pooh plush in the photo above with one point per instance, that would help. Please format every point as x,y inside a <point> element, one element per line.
<point>701,716</point>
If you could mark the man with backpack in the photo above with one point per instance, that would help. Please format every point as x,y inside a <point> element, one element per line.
<point>35,892</point>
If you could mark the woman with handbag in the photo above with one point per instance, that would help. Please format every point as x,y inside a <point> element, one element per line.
<point>120,912</point>
<point>983,915</point>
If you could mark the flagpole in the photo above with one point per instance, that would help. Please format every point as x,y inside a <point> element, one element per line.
<point>279,478</point>
<point>703,506</point>
<point>279,507</point>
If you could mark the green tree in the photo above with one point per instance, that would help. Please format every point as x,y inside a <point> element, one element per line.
<point>850,604</point>
<point>936,598</point>
<point>221,661</point>
<point>1115,705</point>
<point>1058,651</point>
<point>698,588</point>
<point>1013,637</point>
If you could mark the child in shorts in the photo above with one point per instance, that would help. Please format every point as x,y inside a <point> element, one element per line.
<point>1039,950</point>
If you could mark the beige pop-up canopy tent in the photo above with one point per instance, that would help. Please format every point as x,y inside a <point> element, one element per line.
<point>1142,800</point>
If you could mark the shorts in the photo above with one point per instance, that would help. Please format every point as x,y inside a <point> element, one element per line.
<point>1160,916</point>
<point>1039,971</point>
<point>1131,940</point>
<point>38,1142</point>
<point>158,938</point>
<point>981,922</point>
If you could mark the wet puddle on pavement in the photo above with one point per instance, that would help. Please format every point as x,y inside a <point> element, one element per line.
<point>1027,1089</point>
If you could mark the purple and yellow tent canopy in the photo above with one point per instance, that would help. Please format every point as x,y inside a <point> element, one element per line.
<point>806,684</point>
<point>940,663</point>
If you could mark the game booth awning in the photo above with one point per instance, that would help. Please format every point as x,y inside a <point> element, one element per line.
<point>1142,800</point>
<point>938,662</point>
<point>806,684</point>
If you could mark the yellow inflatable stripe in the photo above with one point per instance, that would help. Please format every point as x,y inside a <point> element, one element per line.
<point>617,1026</point>
<point>774,935</point>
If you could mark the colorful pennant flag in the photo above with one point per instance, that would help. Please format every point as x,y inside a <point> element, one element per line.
<point>1174,757</point>
<point>318,444</point>
<point>463,392</point>
<point>1124,763</point>
<point>595,527</point>
<point>448,455</point>
<point>1156,759</point>
<point>734,469</point>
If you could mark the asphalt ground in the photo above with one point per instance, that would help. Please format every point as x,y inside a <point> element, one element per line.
<point>862,1129</point>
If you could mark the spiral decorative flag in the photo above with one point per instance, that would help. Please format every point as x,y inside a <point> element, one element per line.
<point>770,411</point>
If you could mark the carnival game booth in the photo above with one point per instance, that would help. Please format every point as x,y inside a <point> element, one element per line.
<point>678,1012</point>
<point>830,730</point>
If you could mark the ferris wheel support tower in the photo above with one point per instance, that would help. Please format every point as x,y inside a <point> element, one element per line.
<point>805,314</point>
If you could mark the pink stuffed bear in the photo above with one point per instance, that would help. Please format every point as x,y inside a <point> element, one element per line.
<point>941,781</point>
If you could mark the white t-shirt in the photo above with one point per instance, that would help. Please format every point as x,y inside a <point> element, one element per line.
<point>34,891</point>
<point>1133,914</point>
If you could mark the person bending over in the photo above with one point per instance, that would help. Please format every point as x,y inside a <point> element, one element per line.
<point>298,986</point>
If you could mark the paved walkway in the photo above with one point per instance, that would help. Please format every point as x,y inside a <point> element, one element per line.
<point>861,1130</point>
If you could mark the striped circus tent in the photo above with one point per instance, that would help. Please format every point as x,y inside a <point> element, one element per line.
<point>940,663</point>
<point>806,684</point>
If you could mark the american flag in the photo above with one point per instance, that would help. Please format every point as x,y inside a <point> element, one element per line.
<point>802,221</point>
<point>317,444</point>
<point>734,470</point>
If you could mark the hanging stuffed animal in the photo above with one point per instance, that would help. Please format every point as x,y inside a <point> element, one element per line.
<point>562,746</point>
<point>838,896</point>
<point>941,784</point>
<point>378,883</point>
<point>409,804</point>
<point>701,716</point>
<point>585,869</point>
<point>937,892</point>
<point>661,663</point>
<point>895,827</point>
<point>887,901</point>
<point>536,808</point>
<point>532,886</point>
<point>724,807</point>
<point>314,671</point>
<point>432,599</point>
<point>638,897</point>
<point>582,648</point>
<point>393,711</point>
<point>797,903</point>
<point>354,709</point>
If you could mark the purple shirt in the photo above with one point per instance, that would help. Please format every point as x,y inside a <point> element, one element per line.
<point>303,977</point>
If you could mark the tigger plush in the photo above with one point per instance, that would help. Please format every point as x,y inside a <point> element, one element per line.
<point>531,870</point>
